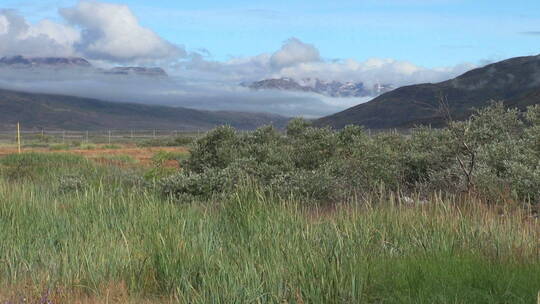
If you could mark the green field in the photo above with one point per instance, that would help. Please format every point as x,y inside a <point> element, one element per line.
<point>104,238</point>
<point>75,231</point>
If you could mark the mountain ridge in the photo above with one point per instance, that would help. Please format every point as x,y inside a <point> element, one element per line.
<point>314,85</point>
<point>77,113</point>
<point>22,62</point>
<point>515,81</point>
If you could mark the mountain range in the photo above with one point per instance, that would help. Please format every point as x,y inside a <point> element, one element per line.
<point>21,62</point>
<point>25,62</point>
<point>74,113</point>
<point>315,85</point>
<point>514,81</point>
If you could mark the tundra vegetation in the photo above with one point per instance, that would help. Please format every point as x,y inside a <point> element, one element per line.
<point>311,215</point>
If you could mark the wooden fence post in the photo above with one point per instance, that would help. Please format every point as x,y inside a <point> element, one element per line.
<point>19,137</point>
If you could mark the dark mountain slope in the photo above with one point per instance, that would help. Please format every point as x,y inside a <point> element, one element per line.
<point>75,113</point>
<point>515,81</point>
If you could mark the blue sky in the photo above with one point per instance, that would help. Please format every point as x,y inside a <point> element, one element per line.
<point>429,33</point>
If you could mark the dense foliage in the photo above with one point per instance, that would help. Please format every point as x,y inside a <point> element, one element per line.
<point>494,154</point>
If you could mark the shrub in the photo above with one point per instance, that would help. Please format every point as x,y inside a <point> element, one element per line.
<point>311,147</point>
<point>189,185</point>
<point>219,148</point>
<point>297,126</point>
<point>308,185</point>
<point>495,154</point>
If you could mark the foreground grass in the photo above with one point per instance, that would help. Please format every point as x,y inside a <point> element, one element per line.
<point>111,240</point>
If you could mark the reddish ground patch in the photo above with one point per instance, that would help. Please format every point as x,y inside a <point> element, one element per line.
<point>142,155</point>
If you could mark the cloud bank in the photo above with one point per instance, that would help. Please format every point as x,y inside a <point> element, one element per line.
<point>94,30</point>
<point>45,38</point>
<point>173,91</point>
<point>299,60</point>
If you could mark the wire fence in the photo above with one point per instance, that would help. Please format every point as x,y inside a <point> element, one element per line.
<point>94,137</point>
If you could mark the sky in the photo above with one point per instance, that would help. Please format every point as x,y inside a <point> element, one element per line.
<point>431,33</point>
<point>211,42</point>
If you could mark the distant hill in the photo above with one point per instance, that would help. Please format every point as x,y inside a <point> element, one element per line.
<point>61,63</point>
<point>515,81</point>
<point>314,85</point>
<point>75,113</point>
<point>20,61</point>
<point>156,72</point>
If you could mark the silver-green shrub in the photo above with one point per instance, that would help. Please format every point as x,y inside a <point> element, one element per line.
<point>494,154</point>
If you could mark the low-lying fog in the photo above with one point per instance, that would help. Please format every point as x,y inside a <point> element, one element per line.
<point>173,90</point>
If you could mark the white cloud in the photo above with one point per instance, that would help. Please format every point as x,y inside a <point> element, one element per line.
<point>96,30</point>
<point>63,35</point>
<point>374,70</point>
<point>299,60</point>
<point>294,52</point>
<point>45,38</point>
<point>112,32</point>
<point>4,25</point>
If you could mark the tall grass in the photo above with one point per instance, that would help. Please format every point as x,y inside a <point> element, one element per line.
<point>113,241</point>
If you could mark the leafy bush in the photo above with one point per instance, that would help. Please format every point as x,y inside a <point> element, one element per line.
<point>218,149</point>
<point>308,184</point>
<point>187,185</point>
<point>495,154</point>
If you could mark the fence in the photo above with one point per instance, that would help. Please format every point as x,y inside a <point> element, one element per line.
<point>95,137</point>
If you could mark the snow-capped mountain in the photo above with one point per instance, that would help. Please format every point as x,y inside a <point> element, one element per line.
<point>314,85</point>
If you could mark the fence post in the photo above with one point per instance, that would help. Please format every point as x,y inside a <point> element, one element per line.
<point>63,136</point>
<point>154,134</point>
<point>109,137</point>
<point>19,137</point>
<point>87,141</point>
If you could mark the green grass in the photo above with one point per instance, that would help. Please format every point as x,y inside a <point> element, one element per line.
<point>87,146</point>
<point>252,247</point>
<point>111,146</point>
<point>57,147</point>
<point>122,158</point>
